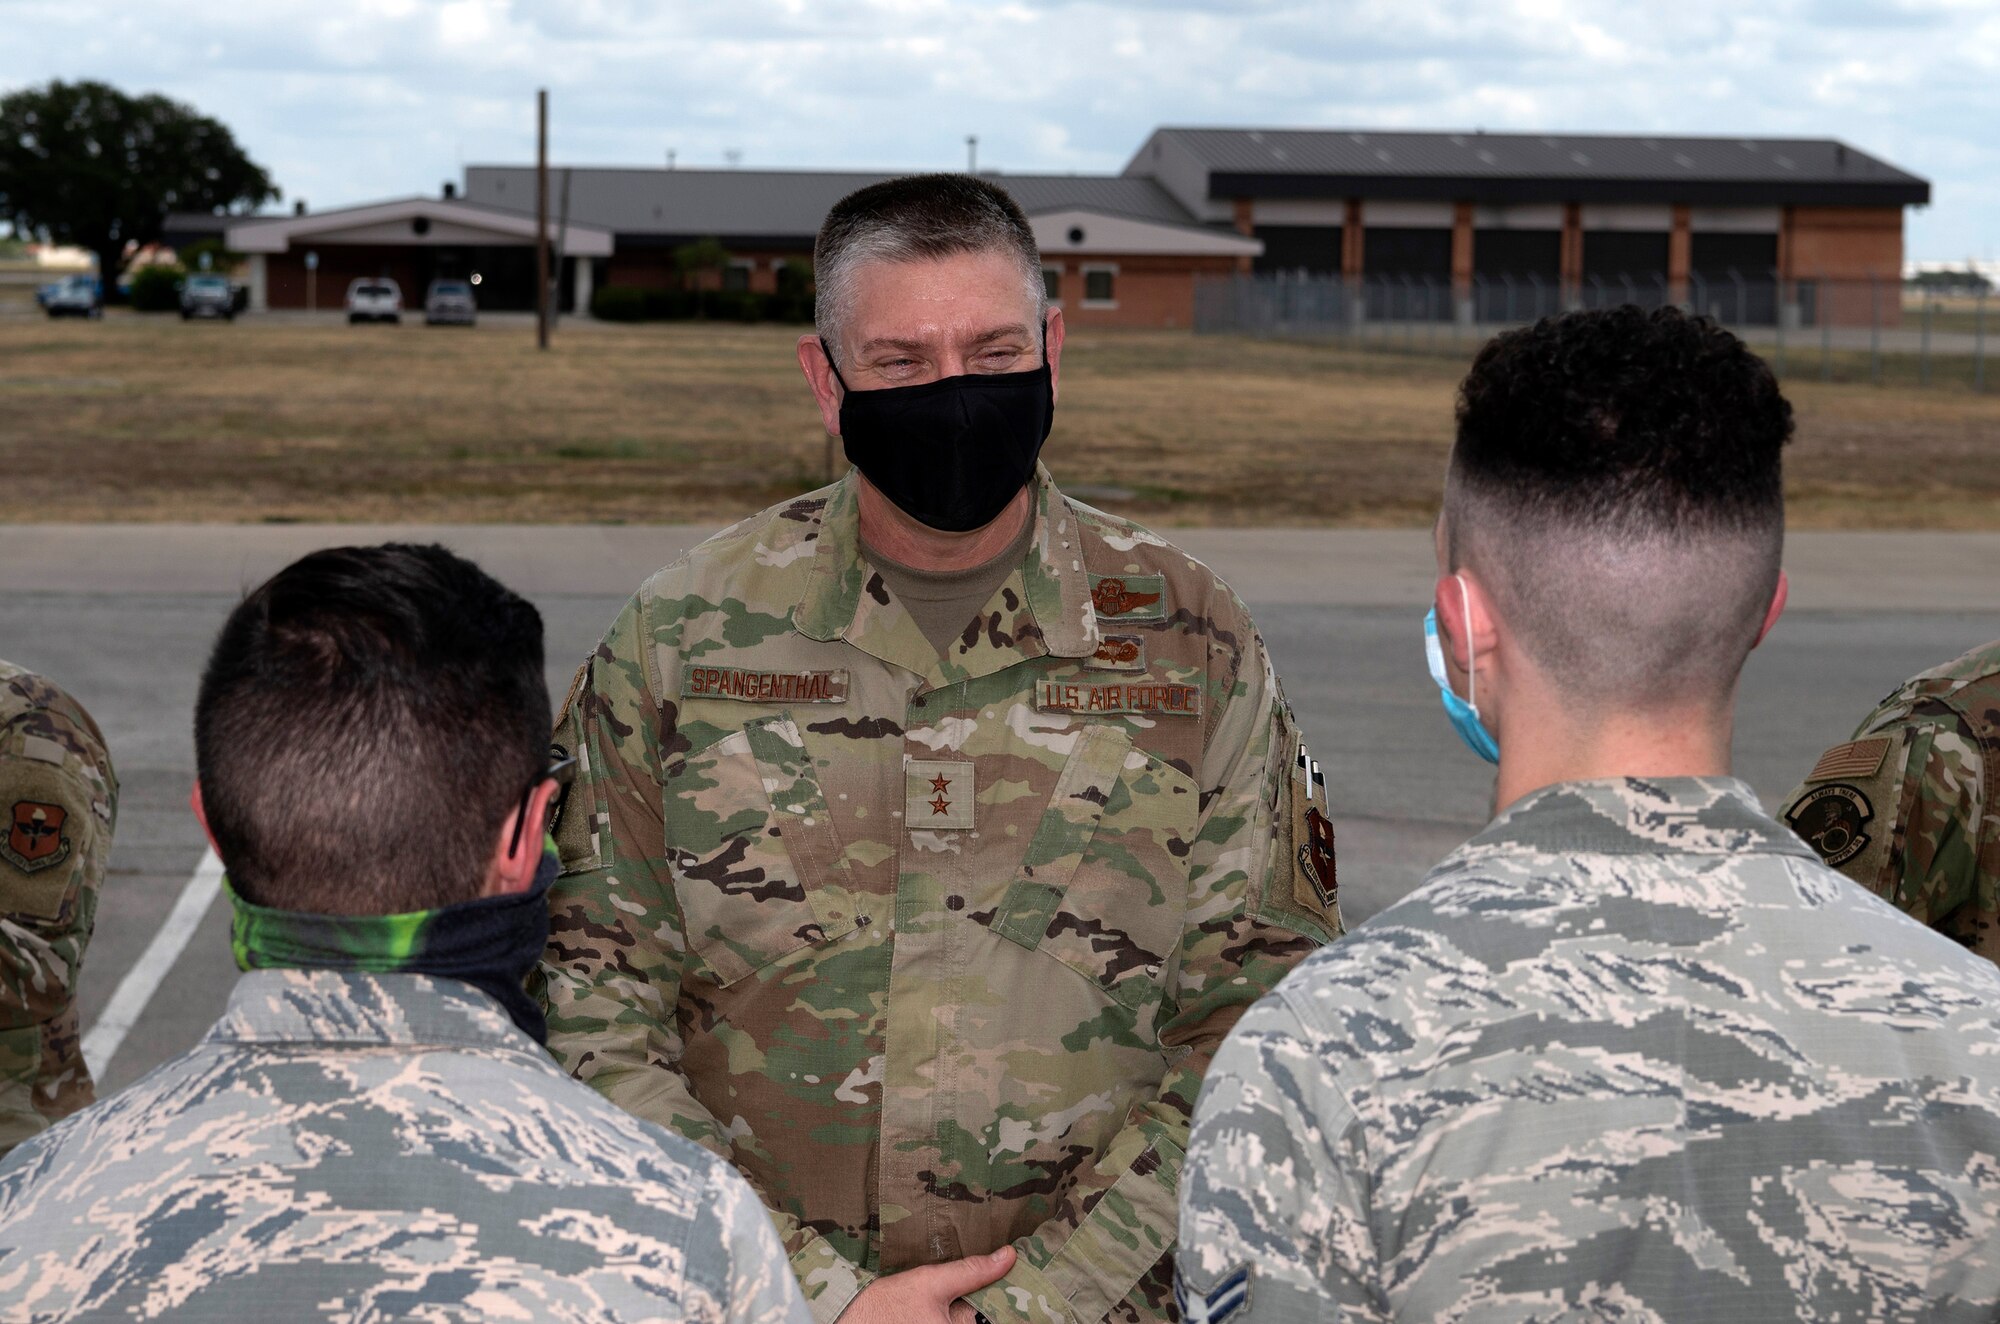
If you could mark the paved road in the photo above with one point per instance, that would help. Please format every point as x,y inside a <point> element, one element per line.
<point>124,616</point>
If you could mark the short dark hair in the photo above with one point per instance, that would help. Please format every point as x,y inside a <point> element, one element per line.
<point>367,718</point>
<point>1619,474</point>
<point>917,217</point>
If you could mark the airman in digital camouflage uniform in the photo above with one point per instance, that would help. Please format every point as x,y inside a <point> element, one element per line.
<point>924,895</point>
<point>1908,807</point>
<point>59,796</point>
<point>1633,1052</point>
<point>373,1131</point>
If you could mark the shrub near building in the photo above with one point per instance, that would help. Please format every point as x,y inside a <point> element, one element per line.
<point>157,289</point>
<point>629,303</point>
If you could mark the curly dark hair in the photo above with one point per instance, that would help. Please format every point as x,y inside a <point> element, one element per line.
<point>1627,415</point>
<point>1617,484</point>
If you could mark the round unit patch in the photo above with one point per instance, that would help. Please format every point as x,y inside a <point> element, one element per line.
<point>1830,819</point>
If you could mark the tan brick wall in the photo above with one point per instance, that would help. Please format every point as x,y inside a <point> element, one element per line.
<point>653,269</point>
<point>1851,249</point>
<point>1847,243</point>
<point>1153,292</point>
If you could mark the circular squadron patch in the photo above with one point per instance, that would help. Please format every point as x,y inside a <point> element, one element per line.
<point>1831,819</point>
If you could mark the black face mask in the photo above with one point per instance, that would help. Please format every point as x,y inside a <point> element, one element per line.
<point>950,453</point>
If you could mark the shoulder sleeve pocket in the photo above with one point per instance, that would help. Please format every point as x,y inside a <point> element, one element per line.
<point>580,818</point>
<point>1301,889</point>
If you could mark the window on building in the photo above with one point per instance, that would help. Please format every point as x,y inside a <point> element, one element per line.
<point>1052,283</point>
<point>736,276</point>
<point>1100,285</point>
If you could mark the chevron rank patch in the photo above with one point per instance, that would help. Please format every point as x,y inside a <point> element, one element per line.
<point>1217,1303</point>
<point>1857,758</point>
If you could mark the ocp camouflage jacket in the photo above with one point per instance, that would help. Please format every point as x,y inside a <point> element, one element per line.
<point>58,804</point>
<point>934,948</point>
<point>1909,807</point>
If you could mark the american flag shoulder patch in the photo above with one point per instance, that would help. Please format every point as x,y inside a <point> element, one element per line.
<point>1217,1303</point>
<point>1856,758</point>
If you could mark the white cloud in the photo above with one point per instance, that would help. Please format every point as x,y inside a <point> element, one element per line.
<point>353,99</point>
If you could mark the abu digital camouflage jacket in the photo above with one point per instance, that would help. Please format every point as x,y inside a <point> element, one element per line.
<point>934,948</point>
<point>349,1146</point>
<point>1909,807</point>
<point>1632,1053</point>
<point>58,803</point>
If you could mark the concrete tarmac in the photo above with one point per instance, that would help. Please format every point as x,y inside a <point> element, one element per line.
<point>123,616</point>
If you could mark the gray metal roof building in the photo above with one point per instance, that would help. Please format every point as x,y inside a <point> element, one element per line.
<point>1458,212</point>
<point>1204,167</point>
<point>773,208</point>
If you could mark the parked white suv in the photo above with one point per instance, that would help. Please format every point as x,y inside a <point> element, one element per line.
<point>374,299</point>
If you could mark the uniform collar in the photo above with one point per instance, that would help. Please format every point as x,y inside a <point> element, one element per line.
<point>344,1007</point>
<point>1639,816</point>
<point>1043,608</point>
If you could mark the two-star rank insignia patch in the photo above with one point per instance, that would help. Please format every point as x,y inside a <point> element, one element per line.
<point>1831,819</point>
<point>939,795</point>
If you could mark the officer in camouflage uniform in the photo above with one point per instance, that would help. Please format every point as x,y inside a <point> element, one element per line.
<point>1633,1052</point>
<point>1907,808</point>
<point>59,796</point>
<point>933,937</point>
<point>373,1131</point>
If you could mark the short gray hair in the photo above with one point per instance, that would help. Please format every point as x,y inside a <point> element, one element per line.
<point>912,219</point>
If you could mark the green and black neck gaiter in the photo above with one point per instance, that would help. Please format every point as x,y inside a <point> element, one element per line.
<point>490,943</point>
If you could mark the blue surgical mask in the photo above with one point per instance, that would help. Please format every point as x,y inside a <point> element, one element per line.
<point>1464,714</point>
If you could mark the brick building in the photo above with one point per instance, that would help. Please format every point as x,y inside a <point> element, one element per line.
<point>1789,220</point>
<point>1803,229</point>
<point>1116,251</point>
<point>307,259</point>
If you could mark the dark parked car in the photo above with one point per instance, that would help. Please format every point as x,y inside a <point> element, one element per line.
<point>72,296</point>
<point>449,301</point>
<point>208,296</point>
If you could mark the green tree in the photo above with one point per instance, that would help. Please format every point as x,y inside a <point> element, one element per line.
<point>699,256</point>
<point>85,164</point>
<point>220,259</point>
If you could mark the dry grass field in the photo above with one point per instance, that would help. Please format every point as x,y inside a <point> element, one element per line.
<point>280,419</point>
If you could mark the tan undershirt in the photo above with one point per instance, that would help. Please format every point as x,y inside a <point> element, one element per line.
<point>943,602</point>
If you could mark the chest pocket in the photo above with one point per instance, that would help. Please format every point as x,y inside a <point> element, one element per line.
<point>751,846</point>
<point>1103,886</point>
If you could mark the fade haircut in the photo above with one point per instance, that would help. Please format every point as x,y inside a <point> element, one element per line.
<point>1617,484</point>
<point>368,717</point>
<point>913,219</point>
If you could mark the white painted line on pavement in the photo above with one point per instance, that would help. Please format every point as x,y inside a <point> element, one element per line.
<point>136,989</point>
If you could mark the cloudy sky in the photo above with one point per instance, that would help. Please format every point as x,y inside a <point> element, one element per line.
<point>350,100</point>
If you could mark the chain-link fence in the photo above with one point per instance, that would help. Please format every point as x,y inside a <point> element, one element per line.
<point>1837,330</point>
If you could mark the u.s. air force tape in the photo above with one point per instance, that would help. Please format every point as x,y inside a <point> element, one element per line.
<point>1151,697</point>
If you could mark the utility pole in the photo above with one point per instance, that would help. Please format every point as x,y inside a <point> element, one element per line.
<point>542,219</point>
<point>971,153</point>
<point>556,265</point>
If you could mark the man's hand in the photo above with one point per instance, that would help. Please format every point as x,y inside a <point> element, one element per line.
<point>928,1295</point>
